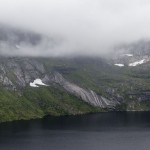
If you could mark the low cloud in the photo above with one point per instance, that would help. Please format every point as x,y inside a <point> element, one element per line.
<point>85,27</point>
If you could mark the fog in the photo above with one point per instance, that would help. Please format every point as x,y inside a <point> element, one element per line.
<point>85,27</point>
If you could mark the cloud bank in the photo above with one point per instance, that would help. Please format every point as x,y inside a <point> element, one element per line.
<point>86,27</point>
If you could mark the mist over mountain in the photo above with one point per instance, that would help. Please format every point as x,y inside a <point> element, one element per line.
<point>78,28</point>
<point>74,68</point>
<point>73,57</point>
<point>21,42</point>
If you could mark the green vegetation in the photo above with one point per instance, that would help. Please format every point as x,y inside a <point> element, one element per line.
<point>88,73</point>
<point>38,102</point>
<point>97,75</point>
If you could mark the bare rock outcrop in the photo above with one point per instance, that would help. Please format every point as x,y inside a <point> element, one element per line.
<point>20,72</point>
<point>87,95</point>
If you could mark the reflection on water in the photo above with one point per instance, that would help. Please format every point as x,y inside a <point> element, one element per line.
<point>104,131</point>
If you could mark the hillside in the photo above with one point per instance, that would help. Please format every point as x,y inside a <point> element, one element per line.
<point>32,87</point>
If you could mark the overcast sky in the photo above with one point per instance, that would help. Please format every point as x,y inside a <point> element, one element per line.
<point>87,27</point>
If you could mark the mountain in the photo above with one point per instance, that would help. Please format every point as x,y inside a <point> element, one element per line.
<point>32,87</point>
<point>132,54</point>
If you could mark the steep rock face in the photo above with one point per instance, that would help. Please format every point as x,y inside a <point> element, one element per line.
<point>85,94</point>
<point>17,73</point>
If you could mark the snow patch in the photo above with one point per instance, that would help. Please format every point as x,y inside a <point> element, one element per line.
<point>17,46</point>
<point>137,63</point>
<point>33,84</point>
<point>120,65</point>
<point>37,82</point>
<point>130,55</point>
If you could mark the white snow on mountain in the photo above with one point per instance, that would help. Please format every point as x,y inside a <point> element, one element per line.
<point>137,63</point>
<point>120,65</point>
<point>17,46</point>
<point>130,55</point>
<point>37,82</point>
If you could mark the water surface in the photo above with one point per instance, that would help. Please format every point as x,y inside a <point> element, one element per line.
<point>102,131</point>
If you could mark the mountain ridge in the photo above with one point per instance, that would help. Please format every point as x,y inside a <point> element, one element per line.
<point>31,87</point>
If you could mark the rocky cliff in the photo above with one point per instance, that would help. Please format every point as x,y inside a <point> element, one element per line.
<point>32,87</point>
<point>17,73</point>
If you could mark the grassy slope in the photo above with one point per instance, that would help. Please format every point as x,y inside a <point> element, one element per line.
<point>37,102</point>
<point>99,76</point>
<point>93,74</point>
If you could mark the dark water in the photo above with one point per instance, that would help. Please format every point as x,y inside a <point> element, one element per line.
<point>103,131</point>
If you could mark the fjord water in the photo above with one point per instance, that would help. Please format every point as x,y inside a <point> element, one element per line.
<point>102,131</point>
